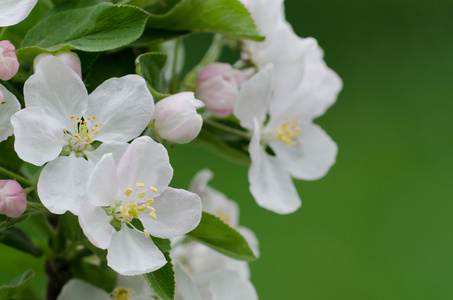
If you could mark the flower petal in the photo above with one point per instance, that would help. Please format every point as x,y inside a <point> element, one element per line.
<point>226,285</point>
<point>15,11</point>
<point>145,161</point>
<point>61,185</point>
<point>185,285</point>
<point>57,89</point>
<point>123,105</point>
<point>77,289</point>
<point>39,138</point>
<point>254,97</point>
<point>8,107</point>
<point>178,212</point>
<point>96,226</point>
<point>270,183</point>
<point>116,148</point>
<point>311,159</point>
<point>102,183</point>
<point>131,253</point>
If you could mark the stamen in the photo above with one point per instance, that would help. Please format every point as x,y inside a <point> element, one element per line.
<point>288,131</point>
<point>128,191</point>
<point>141,194</point>
<point>146,233</point>
<point>153,189</point>
<point>140,184</point>
<point>149,201</point>
<point>153,215</point>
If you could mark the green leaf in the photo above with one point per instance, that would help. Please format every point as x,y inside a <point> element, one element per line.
<point>162,281</point>
<point>61,5</point>
<point>95,275</point>
<point>217,235</point>
<point>6,291</point>
<point>150,66</point>
<point>92,29</point>
<point>17,238</point>
<point>228,17</point>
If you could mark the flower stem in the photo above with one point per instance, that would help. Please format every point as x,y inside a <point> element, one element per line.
<point>227,129</point>
<point>16,177</point>
<point>2,33</point>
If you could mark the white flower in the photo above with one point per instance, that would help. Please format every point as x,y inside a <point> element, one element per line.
<point>300,148</point>
<point>130,287</point>
<point>60,118</point>
<point>15,11</point>
<point>9,105</point>
<point>136,190</point>
<point>176,118</point>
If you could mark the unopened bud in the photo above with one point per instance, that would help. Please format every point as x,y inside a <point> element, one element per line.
<point>13,201</point>
<point>218,88</point>
<point>176,118</point>
<point>69,58</point>
<point>9,65</point>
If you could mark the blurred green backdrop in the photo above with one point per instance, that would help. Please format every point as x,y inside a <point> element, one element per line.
<point>379,225</point>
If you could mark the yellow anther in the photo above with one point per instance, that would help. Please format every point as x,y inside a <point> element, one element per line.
<point>92,129</point>
<point>121,293</point>
<point>88,118</point>
<point>146,233</point>
<point>80,121</point>
<point>65,129</point>
<point>153,189</point>
<point>78,118</point>
<point>288,131</point>
<point>149,201</point>
<point>72,117</point>
<point>96,125</point>
<point>141,194</point>
<point>76,135</point>
<point>93,117</point>
<point>73,125</point>
<point>151,208</point>
<point>153,215</point>
<point>141,208</point>
<point>128,191</point>
<point>96,132</point>
<point>85,122</point>
<point>140,184</point>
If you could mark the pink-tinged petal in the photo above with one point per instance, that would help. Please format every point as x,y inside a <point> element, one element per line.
<point>147,162</point>
<point>270,183</point>
<point>9,105</point>
<point>185,285</point>
<point>226,285</point>
<point>131,253</point>
<point>57,89</point>
<point>123,105</point>
<point>13,201</point>
<point>39,137</point>
<point>9,65</point>
<point>103,183</point>
<point>116,148</point>
<point>254,97</point>
<point>178,212</point>
<point>311,159</point>
<point>96,226</point>
<point>15,11</point>
<point>77,289</point>
<point>62,184</point>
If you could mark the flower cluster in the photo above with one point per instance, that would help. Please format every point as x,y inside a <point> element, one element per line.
<point>88,141</point>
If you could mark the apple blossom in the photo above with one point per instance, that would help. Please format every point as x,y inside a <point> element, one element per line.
<point>71,59</point>
<point>136,190</point>
<point>9,65</point>
<point>218,87</point>
<point>15,11</point>
<point>300,149</point>
<point>9,105</point>
<point>13,201</point>
<point>176,119</point>
<point>61,121</point>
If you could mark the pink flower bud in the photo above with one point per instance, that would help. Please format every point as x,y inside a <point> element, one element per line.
<point>70,59</point>
<point>13,201</point>
<point>176,118</point>
<point>9,65</point>
<point>218,88</point>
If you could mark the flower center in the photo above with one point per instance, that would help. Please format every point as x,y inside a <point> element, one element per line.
<point>288,131</point>
<point>121,293</point>
<point>132,206</point>
<point>80,136</point>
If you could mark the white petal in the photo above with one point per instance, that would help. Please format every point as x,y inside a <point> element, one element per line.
<point>116,148</point>
<point>57,89</point>
<point>185,285</point>
<point>39,138</point>
<point>178,212</point>
<point>227,285</point>
<point>62,184</point>
<point>137,284</point>
<point>8,108</point>
<point>96,226</point>
<point>123,105</point>
<point>200,181</point>
<point>254,97</point>
<point>77,289</point>
<point>102,184</point>
<point>15,11</point>
<point>270,183</point>
<point>251,239</point>
<point>131,253</point>
<point>145,161</point>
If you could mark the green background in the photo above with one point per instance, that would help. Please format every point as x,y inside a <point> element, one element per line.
<point>379,225</point>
